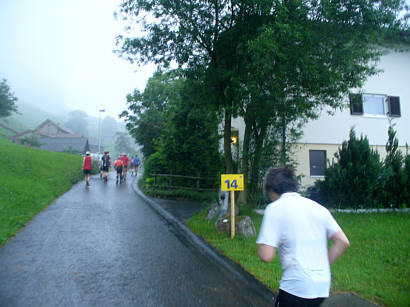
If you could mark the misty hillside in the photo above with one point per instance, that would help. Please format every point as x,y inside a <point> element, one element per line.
<point>29,117</point>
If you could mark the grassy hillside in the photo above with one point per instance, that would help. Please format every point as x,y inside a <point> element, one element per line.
<point>30,180</point>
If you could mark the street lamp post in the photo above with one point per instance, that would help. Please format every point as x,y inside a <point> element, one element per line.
<point>99,130</point>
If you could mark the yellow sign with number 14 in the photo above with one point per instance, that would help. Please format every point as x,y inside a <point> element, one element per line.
<point>232,182</point>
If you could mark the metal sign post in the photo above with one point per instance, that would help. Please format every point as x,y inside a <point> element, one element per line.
<point>232,183</point>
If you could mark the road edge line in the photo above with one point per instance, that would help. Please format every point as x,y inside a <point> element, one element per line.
<point>206,249</point>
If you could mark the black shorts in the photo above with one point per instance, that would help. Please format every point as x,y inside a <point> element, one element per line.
<point>119,170</point>
<point>87,171</point>
<point>105,168</point>
<point>285,299</point>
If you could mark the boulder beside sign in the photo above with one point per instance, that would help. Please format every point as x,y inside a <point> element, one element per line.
<point>243,225</point>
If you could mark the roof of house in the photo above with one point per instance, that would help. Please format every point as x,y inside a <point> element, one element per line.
<point>48,121</point>
<point>78,144</point>
<point>64,130</point>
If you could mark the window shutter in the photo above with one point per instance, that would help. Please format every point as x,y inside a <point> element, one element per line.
<point>394,106</point>
<point>317,161</point>
<point>356,104</point>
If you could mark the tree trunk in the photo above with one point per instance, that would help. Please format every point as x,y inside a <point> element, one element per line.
<point>259,138</point>
<point>283,148</point>
<point>243,195</point>
<point>227,141</point>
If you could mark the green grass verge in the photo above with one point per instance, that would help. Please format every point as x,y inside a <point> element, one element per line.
<point>376,266</point>
<point>30,180</point>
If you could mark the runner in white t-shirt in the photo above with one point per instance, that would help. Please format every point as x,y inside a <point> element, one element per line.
<point>299,228</point>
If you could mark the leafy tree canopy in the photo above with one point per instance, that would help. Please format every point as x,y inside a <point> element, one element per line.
<point>275,63</point>
<point>7,100</point>
<point>188,32</point>
<point>146,111</point>
<point>189,142</point>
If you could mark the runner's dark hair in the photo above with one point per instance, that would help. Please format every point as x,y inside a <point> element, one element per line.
<point>281,180</point>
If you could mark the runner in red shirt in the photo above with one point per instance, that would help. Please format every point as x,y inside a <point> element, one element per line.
<point>87,167</point>
<point>124,159</point>
<point>118,165</point>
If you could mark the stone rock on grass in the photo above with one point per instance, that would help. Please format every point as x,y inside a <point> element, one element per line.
<point>223,224</point>
<point>243,225</point>
<point>213,212</point>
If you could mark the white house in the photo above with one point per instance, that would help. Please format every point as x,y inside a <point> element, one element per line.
<point>384,97</point>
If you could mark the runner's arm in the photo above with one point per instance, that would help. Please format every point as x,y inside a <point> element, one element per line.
<point>340,244</point>
<point>266,253</point>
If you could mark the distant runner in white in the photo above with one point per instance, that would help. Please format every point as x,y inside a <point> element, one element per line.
<point>299,228</point>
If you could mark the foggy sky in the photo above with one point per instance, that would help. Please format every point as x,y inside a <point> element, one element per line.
<point>57,54</point>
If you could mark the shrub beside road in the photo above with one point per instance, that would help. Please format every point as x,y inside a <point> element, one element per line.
<point>30,180</point>
<point>376,266</point>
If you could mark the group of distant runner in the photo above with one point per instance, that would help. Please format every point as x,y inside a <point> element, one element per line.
<point>121,165</point>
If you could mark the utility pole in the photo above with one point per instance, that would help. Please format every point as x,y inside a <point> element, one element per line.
<point>99,130</point>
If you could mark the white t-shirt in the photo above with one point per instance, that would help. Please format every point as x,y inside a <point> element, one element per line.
<point>299,228</point>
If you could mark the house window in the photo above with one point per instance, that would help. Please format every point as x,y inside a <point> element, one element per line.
<point>376,105</point>
<point>317,161</point>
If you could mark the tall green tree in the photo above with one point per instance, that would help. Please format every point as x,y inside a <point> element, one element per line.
<point>275,63</point>
<point>189,142</point>
<point>306,56</point>
<point>7,100</point>
<point>145,116</point>
<point>187,139</point>
<point>393,181</point>
<point>406,192</point>
<point>185,32</point>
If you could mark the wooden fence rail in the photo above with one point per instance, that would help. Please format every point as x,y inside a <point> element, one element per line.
<point>171,176</point>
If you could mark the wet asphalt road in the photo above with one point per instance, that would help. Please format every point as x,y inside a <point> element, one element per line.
<point>104,246</point>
